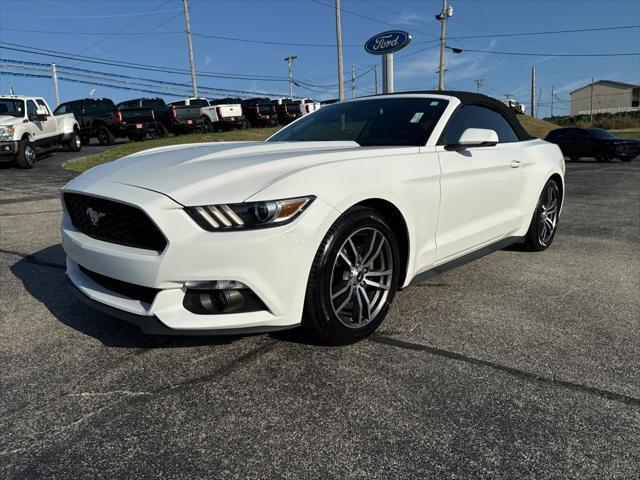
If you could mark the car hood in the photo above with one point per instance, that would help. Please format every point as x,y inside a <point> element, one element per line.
<point>224,172</point>
<point>8,120</point>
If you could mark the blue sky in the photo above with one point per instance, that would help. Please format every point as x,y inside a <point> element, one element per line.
<point>160,41</point>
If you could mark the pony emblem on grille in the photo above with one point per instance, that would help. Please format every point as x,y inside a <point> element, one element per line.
<point>94,215</point>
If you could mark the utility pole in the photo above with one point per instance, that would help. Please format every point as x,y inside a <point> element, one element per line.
<point>187,22</point>
<point>533,91</point>
<point>538,104</point>
<point>553,93</point>
<point>447,11</point>
<point>479,83</point>
<point>339,45</point>
<point>290,60</point>
<point>375,78</point>
<point>353,79</point>
<point>54,75</point>
<point>591,105</point>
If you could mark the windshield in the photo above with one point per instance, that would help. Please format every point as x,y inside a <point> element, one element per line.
<point>601,133</point>
<point>387,121</point>
<point>14,108</point>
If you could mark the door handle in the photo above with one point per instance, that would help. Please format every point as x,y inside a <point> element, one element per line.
<point>516,164</point>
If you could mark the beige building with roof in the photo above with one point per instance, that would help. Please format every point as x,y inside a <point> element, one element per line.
<point>605,96</point>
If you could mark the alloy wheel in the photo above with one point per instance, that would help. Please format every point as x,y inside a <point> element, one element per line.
<point>361,277</point>
<point>29,154</point>
<point>548,214</point>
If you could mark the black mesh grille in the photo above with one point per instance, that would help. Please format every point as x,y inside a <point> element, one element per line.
<point>113,222</point>
<point>129,290</point>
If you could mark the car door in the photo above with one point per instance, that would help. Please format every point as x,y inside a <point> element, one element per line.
<point>480,187</point>
<point>50,125</point>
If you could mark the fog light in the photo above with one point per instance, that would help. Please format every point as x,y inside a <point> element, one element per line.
<point>220,297</point>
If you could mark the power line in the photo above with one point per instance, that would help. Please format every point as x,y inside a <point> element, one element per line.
<point>150,12</point>
<point>532,54</point>
<point>132,65</point>
<point>366,17</point>
<point>548,32</point>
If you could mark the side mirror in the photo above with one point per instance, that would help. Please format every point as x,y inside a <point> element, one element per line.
<point>475,137</point>
<point>41,114</point>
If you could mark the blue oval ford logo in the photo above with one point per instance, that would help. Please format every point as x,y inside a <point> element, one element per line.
<point>387,42</point>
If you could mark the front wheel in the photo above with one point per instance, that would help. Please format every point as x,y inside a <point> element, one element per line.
<point>545,219</point>
<point>105,137</point>
<point>353,279</point>
<point>26,157</point>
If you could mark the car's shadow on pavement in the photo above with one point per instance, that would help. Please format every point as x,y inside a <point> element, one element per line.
<point>43,276</point>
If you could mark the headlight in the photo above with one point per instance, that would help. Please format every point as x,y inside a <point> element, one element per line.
<point>6,134</point>
<point>249,215</point>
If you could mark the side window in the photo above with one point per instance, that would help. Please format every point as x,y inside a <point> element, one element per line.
<point>43,106</point>
<point>475,116</point>
<point>62,109</point>
<point>181,103</point>
<point>31,110</point>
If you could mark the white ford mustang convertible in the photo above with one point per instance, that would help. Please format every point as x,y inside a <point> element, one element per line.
<point>318,226</point>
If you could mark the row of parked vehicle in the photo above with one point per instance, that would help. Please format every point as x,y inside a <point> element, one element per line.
<point>135,119</point>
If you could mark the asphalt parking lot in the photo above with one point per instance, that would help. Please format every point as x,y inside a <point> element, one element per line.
<point>519,365</point>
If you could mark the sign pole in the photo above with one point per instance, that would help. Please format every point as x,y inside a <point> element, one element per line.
<point>387,73</point>
<point>385,44</point>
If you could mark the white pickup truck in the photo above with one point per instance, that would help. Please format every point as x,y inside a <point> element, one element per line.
<point>209,113</point>
<point>27,127</point>
<point>230,114</point>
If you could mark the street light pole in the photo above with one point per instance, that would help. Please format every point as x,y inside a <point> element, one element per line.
<point>339,45</point>
<point>187,22</point>
<point>290,60</point>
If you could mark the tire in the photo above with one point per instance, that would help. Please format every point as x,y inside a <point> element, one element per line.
<point>85,141</point>
<point>105,137</point>
<point>26,157</point>
<point>160,131</point>
<point>75,143</point>
<point>340,279</point>
<point>207,126</point>
<point>544,223</point>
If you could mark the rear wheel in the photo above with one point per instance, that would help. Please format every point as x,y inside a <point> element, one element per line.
<point>207,126</point>
<point>353,279</point>
<point>545,219</point>
<point>105,137</point>
<point>85,140</point>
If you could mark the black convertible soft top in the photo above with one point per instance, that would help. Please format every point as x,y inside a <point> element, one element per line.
<point>470,98</point>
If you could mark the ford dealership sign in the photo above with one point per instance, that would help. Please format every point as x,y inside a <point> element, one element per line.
<point>387,42</point>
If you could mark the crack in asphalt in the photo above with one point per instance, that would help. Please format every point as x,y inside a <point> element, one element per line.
<point>27,257</point>
<point>28,213</point>
<point>30,198</point>
<point>140,397</point>
<point>522,374</point>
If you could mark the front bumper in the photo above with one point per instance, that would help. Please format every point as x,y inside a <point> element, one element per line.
<point>274,263</point>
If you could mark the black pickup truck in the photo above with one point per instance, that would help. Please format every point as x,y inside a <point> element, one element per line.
<point>167,118</point>
<point>97,117</point>
<point>260,112</point>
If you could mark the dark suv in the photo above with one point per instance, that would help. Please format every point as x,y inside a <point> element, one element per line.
<point>598,143</point>
<point>97,118</point>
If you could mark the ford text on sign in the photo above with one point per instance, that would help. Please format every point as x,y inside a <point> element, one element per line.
<point>387,42</point>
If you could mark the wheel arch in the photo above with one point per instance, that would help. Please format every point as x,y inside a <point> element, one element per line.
<point>560,181</point>
<point>399,226</point>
